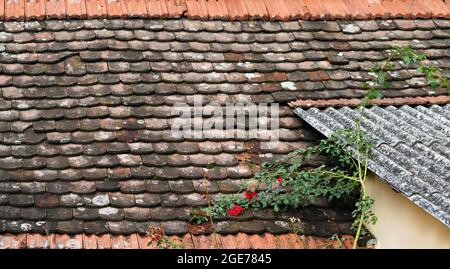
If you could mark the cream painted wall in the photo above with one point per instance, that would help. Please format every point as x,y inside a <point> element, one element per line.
<point>401,223</point>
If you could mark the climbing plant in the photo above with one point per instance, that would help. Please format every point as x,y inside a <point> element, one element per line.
<point>291,183</point>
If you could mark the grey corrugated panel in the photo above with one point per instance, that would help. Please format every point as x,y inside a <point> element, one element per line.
<point>434,128</point>
<point>401,126</point>
<point>404,157</point>
<point>411,148</point>
<point>445,122</point>
<point>442,110</point>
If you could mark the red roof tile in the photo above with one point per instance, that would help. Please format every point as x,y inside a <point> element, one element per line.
<point>157,8</point>
<point>2,9</point>
<point>134,241</point>
<point>176,8</point>
<point>278,10</point>
<point>116,8</point>
<point>55,9</point>
<point>196,9</point>
<point>76,9</point>
<point>256,9</point>
<point>237,9</point>
<point>14,10</point>
<point>96,9</point>
<point>316,10</point>
<point>35,9</point>
<point>224,9</point>
<point>298,9</point>
<point>136,8</point>
<point>103,241</point>
<point>89,241</point>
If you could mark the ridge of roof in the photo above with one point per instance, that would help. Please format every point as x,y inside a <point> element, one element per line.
<point>224,9</point>
<point>353,102</point>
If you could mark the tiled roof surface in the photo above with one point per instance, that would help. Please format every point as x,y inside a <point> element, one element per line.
<point>410,152</point>
<point>426,100</point>
<point>137,241</point>
<point>224,9</point>
<point>85,114</point>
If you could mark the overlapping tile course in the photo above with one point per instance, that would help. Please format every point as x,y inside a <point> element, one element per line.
<point>410,149</point>
<point>224,9</point>
<point>137,241</point>
<point>85,114</point>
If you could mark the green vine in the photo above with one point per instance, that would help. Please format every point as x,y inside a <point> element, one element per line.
<point>293,182</point>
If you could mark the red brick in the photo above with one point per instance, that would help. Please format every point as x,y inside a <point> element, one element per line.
<point>96,9</point>
<point>35,9</point>
<point>55,9</point>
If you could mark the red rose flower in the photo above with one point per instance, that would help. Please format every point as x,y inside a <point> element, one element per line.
<point>235,211</point>
<point>280,179</point>
<point>250,194</point>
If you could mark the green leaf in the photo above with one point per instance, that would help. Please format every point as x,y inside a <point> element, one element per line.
<point>406,59</point>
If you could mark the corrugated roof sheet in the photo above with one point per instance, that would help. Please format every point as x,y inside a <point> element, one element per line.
<point>411,148</point>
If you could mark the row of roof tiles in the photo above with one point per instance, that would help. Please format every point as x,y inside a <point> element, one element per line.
<point>224,9</point>
<point>135,241</point>
<point>427,100</point>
